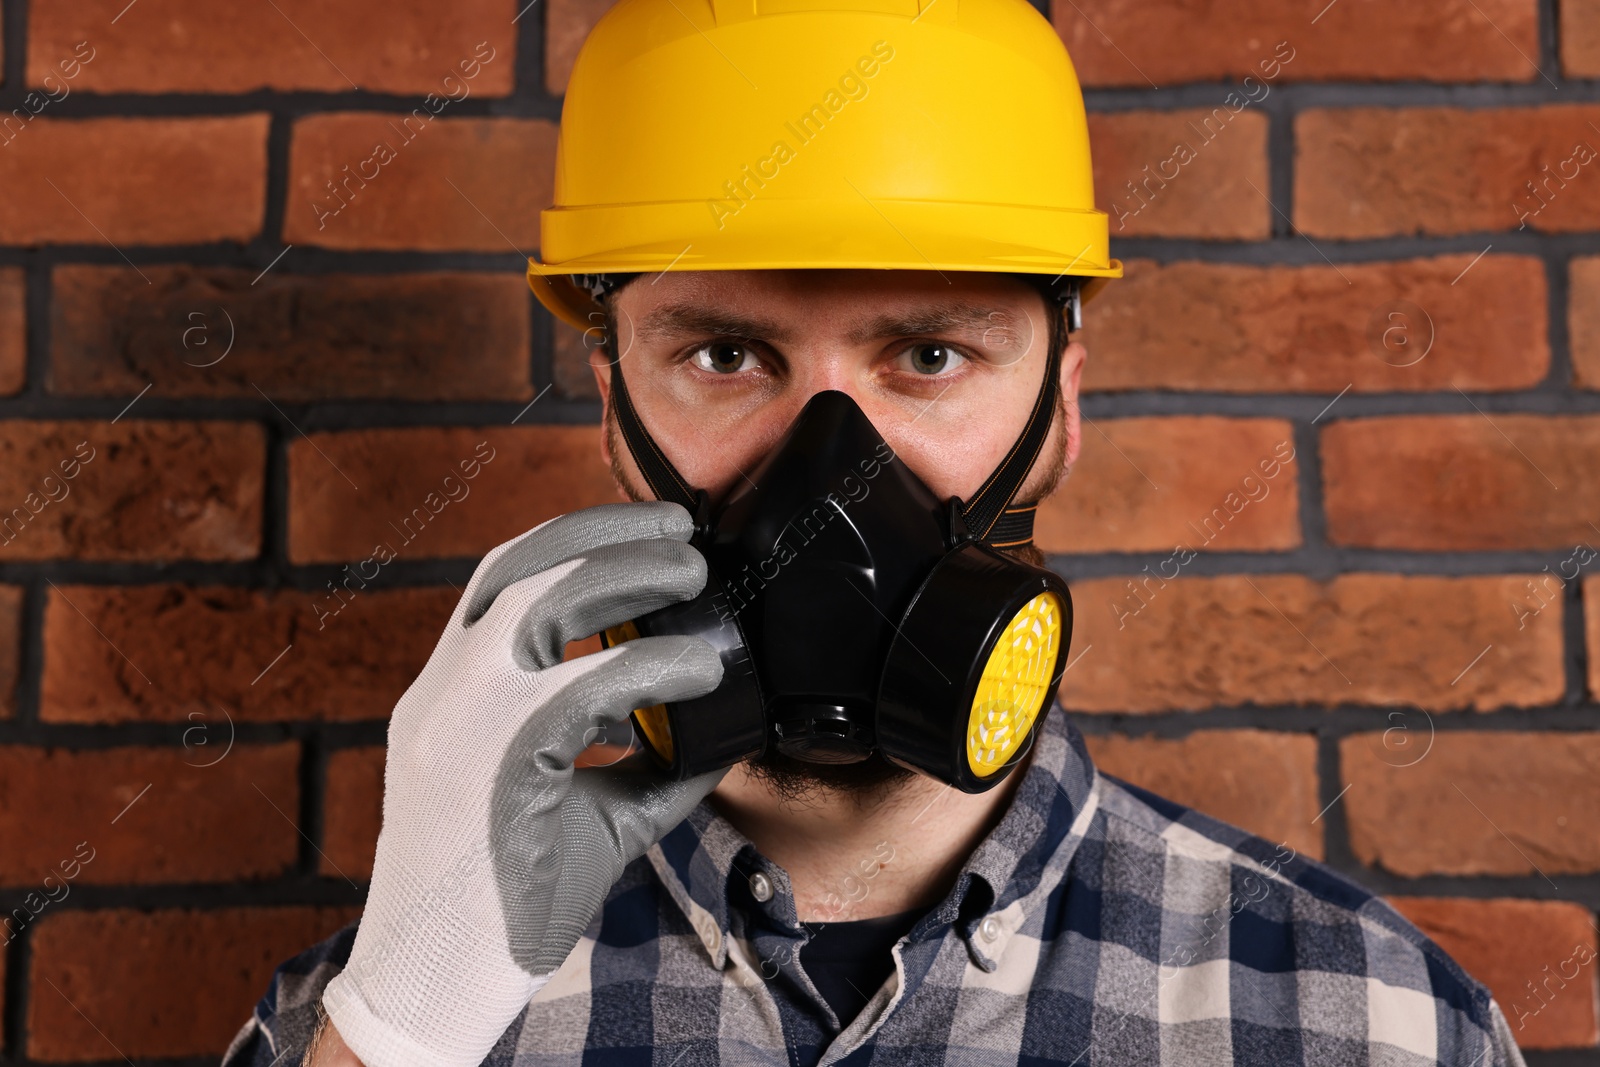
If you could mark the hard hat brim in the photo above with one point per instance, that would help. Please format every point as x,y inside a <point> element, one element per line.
<point>552,285</point>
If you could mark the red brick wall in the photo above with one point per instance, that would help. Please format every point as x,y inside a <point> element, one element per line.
<point>1332,538</point>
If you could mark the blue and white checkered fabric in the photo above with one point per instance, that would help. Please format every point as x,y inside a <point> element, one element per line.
<point>1127,930</point>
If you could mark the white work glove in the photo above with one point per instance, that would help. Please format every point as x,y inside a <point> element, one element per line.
<point>495,854</point>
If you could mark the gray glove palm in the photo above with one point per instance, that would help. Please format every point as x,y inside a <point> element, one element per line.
<point>495,853</point>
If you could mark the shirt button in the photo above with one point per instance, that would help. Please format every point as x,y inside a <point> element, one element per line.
<point>989,929</point>
<point>761,887</point>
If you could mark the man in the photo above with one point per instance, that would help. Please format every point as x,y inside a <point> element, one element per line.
<point>867,277</point>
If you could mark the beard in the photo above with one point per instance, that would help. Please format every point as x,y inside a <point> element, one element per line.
<point>801,782</point>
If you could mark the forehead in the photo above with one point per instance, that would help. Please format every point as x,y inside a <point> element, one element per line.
<point>838,301</point>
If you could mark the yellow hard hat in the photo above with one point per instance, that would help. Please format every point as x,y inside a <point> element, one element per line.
<point>762,134</point>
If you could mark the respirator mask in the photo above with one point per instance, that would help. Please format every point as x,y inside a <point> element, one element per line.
<point>853,610</point>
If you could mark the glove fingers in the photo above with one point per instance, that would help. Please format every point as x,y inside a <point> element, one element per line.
<point>555,872</point>
<point>535,774</point>
<point>535,836</point>
<point>639,805</point>
<point>645,671</point>
<point>588,868</point>
<point>564,537</point>
<point>609,585</point>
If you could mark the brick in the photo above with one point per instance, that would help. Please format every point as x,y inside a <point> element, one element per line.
<point>1182,173</point>
<point>1460,482</point>
<point>1591,629</point>
<point>571,374</point>
<point>1387,172</point>
<point>251,654</point>
<point>567,23</point>
<point>1262,782</point>
<point>13,331</point>
<point>1385,639</point>
<point>138,490</point>
<point>213,332</point>
<point>188,46</point>
<point>1149,484</point>
<point>193,812</point>
<point>1583,321</point>
<point>1580,38</point>
<point>1508,944</point>
<point>401,493</point>
<point>10,647</point>
<point>1234,328</point>
<point>352,812</point>
<point>154,984</point>
<point>133,181</point>
<point>475,184</point>
<point>1475,803</point>
<point>1207,41</point>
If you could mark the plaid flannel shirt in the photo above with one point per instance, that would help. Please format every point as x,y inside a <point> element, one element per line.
<point>1097,924</point>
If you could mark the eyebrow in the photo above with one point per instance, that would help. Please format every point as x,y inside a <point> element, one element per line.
<point>935,320</point>
<point>696,318</point>
<point>688,318</point>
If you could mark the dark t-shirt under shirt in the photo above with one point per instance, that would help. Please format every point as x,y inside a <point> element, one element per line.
<point>849,961</point>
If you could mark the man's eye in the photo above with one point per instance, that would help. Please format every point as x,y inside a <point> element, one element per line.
<point>724,357</point>
<point>929,357</point>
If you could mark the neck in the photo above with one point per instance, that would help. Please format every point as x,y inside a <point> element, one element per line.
<point>851,860</point>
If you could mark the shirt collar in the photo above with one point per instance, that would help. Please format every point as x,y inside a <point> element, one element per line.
<point>705,864</point>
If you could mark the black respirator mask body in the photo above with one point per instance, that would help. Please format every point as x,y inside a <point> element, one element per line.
<point>856,612</point>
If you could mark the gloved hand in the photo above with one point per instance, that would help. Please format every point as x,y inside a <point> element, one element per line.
<point>495,855</point>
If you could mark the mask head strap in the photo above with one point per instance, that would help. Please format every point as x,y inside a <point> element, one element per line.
<point>659,473</point>
<point>987,515</point>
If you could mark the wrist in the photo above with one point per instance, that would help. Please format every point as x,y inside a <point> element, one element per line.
<point>327,1048</point>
